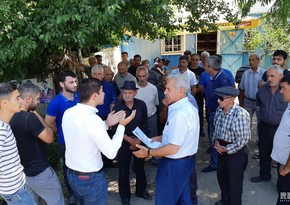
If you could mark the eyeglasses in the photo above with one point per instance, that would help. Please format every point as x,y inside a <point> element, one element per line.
<point>222,98</point>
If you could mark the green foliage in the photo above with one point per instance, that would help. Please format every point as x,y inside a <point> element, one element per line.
<point>280,9</point>
<point>29,30</point>
<point>269,36</point>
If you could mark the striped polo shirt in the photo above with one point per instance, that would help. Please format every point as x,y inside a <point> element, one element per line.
<point>12,177</point>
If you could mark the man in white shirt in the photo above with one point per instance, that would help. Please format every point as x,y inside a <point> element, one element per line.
<point>148,93</point>
<point>249,85</point>
<point>281,147</point>
<point>179,144</point>
<point>86,137</point>
<point>183,69</point>
<point>123,75</point>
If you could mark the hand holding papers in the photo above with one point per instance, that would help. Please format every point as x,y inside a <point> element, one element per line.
<point>147,141</point>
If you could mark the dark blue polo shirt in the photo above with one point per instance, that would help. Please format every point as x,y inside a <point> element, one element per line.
<point>57,107</point>
<point>110,98</point>
<point>221,79</point>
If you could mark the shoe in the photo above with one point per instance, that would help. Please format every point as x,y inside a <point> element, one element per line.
<point>259,179</point>
<point>145,195</point>
<point>208,169</point>
<point>125,201</point>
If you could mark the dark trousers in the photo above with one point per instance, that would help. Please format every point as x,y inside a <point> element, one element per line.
<point>230,175</point>
<point>64,169</point>
<point>266,135</point>
<point>173,181</point>
<point>124,159</point>
<point>199,97</point>
<point>283,186</point>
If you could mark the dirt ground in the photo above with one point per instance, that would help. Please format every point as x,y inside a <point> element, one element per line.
<point>263,193</point>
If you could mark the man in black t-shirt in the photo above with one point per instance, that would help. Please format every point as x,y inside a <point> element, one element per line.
<point>137,63</point>
<point>32,134</point>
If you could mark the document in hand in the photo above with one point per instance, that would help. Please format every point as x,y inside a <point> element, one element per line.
<point>147,141</point>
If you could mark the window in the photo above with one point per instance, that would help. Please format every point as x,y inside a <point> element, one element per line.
<point>173,45</point>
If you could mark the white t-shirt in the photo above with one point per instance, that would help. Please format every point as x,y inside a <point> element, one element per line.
<point>149,95</point>
<point>190,74</point>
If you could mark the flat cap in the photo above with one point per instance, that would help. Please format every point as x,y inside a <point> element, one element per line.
<point>227,91</point>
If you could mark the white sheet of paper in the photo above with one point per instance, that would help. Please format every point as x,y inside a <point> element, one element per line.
<point>147,141</point>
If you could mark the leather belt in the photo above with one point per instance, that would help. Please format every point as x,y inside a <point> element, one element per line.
<point>71,171</point>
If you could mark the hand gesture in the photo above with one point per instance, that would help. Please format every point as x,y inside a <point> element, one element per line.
<point>133,142</point>
<point>142,152</point>
<point>124,121</point>
<point>113,118</point>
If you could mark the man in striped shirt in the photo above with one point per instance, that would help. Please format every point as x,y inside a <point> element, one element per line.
<point>12,177</point>
<point>231,135</point>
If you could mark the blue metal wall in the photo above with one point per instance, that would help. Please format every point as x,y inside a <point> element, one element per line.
<point>231,47</point>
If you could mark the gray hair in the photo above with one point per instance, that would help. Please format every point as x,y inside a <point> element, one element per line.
<point>278,68</point>
<point>98,68</point>
<point>256,55</point>
<point>142,68</point>
<point>215,62</point>
<point>205,53</point>
<point>28,88</point>
<point>181,81</point>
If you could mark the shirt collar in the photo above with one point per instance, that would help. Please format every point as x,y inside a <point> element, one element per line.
<point>88,108</point>
<point>259,70</point>
<point>175,105</point>
<point>66,99</point>
<point>231,111</point>
<point>217,75</point>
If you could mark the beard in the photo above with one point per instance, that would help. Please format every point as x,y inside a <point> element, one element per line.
<point>32,107</point>
<point>69,90</point>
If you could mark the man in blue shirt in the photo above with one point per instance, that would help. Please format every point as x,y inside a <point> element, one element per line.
<point>67,98</point>
<point>217,78</point>
<point>110,95</point>
<point>110,100</point>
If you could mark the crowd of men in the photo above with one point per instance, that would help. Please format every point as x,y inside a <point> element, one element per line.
<point>96,118</point>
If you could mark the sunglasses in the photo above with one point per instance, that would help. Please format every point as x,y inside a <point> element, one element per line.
<point>222,98</point>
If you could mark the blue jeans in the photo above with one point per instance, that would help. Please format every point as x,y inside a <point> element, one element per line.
<point>89,188</point>
<point>213,152</point>
<point>173,181</point>
<point>21,197</point>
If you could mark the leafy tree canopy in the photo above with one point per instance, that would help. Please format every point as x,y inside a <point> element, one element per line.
<point>270,37</point>
<point>29,30</point>
<point>280,10</point>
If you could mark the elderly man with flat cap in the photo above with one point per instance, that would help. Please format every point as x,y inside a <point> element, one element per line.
<point>128,104</point>
<point>232,133</point>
